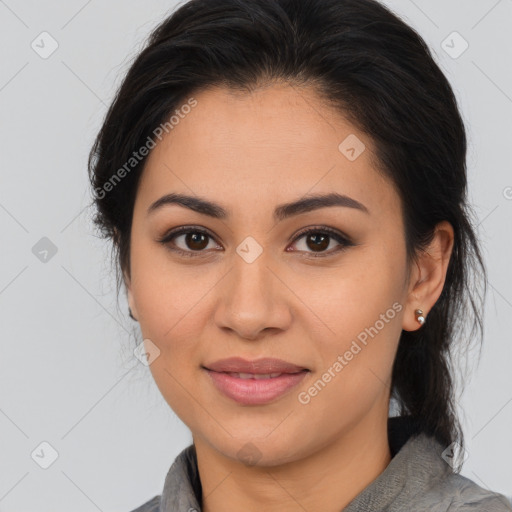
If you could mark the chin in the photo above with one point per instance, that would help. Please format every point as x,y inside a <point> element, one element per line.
<point>262,451</point>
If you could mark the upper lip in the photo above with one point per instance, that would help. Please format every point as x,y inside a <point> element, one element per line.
<point>257,366</point>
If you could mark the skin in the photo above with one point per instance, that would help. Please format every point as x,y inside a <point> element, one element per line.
<point>250,153</point>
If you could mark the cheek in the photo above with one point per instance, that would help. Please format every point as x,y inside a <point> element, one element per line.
<point>352,297</point>
<point>361,307</point>
<point>356,362</point>
<point>167,295</point>
<point>172,315</point>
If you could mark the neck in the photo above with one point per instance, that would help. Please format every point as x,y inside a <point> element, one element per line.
<point>328,479</point>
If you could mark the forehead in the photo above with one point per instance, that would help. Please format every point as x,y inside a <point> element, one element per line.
<point>280,141</point>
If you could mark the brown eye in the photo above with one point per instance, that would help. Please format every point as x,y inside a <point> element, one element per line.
<point>317,240</point>
<point>196,241</point>
<point>187,241</point>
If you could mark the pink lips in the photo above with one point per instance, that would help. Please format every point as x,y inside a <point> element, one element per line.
<point>254,391</point>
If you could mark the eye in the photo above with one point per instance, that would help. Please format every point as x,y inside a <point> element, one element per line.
<point>195,241</point>
<point>319,238</point>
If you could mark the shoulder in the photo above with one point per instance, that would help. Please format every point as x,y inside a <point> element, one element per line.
<point>153,505</point>
<point>456,493</point>
<point>470,496</point>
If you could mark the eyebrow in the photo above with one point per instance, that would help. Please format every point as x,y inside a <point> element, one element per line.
<point>281,212</point>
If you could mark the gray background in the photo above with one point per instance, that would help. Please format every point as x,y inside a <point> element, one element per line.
<point>68,375</point>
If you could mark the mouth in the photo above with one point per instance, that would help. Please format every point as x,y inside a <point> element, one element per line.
<point>255,388</point>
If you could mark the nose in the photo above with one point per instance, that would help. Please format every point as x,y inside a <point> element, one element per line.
<point>253,300</point>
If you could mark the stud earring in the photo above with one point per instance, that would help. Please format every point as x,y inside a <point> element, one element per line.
<point>419,316</point>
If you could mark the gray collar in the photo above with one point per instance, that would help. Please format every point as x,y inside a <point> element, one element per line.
<point>415,466</point>
<point>182,488</point>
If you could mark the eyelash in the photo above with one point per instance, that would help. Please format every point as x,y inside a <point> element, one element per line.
<point>345,242</point>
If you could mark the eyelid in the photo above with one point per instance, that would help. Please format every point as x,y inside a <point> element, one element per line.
<point>321,229</point>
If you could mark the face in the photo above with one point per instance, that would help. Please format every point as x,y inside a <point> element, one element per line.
<point>253,284</point>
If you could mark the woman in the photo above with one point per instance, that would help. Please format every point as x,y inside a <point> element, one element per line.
<point>285,186</point>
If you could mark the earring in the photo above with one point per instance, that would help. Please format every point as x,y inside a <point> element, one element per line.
<point>419,316</point>
<point>131,315</point>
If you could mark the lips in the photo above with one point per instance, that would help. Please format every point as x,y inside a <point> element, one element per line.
<point>264,367</point>
<point>256,382</point>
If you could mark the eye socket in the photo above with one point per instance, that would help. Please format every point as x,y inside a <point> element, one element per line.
<point>319,235</point>
<point>188,232</point>
<point>195,235</point>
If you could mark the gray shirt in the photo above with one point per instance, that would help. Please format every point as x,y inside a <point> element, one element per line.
<point>417,479</point>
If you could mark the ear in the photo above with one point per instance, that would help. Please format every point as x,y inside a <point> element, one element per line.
<point>428,275</point>
<point>116,236</point>
<point>129,295</point>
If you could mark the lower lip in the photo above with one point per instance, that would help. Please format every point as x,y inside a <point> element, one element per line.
<point>255,391</point>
